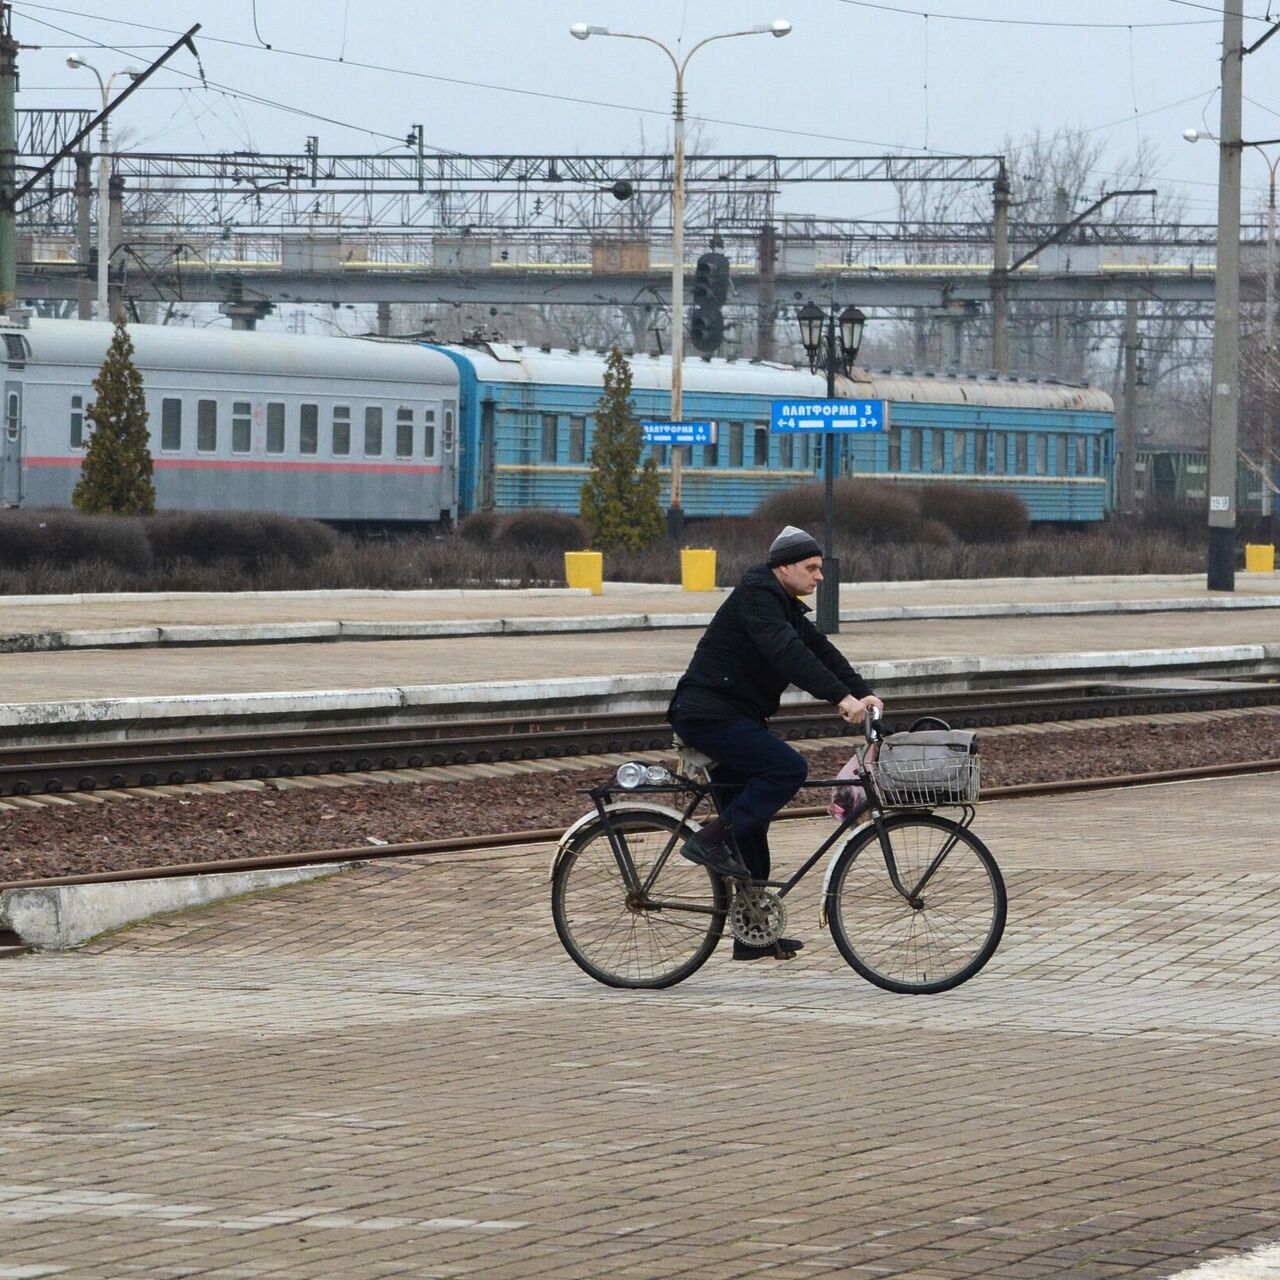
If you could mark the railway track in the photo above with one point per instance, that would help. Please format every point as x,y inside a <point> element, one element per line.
<point>515,839</point>
<point>72,767</point>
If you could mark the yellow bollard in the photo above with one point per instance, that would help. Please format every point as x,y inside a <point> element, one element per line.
<point>585,569</point>
<point>1259,558</point>
<point>697,570</point>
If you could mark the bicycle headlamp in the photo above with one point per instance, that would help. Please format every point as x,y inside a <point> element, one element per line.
<point>635,773</point>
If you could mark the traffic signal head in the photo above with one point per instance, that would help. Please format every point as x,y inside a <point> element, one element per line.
<point>711,280</point>
<point>706,329</point>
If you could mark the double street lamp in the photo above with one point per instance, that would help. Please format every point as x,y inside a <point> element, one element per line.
<point>583,31</point>
<point>833,340</point>
<point>75,62</point>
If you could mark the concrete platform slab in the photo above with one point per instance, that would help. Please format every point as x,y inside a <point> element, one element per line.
<point>398,1072</point>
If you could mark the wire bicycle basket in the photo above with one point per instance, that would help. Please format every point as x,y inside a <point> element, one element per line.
<point>925,770</point>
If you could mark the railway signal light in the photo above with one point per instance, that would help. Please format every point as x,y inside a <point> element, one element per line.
<point>710,290</point>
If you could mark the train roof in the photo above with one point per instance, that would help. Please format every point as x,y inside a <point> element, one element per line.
<point>512,362</point>
<point>84,342</point>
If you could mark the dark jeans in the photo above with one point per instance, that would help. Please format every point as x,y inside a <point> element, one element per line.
<point>755,775</point>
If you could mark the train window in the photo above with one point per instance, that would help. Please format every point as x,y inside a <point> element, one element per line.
<point>308,428</point>
<point>12,415</point>
<point>1002,453</point>
<point>447,440</point>
<point>550,437</point>
<point>711,453</point>
<point>938,454</point>
<point>735,444</point>
<point>980,451</point>
<point>658,452</point>
<point>915,450</point>
<point>241,426</point>
<point>1060,455</point>
<point>1082,455</point>
<point>1020,455</point>
<point>206,426</point>
<point>805,452</point>
<point>577,439</point>
<point>373,431</point>
<point>786,449</point>
<point>170,424</point>
<point>1042,455</point>
<point>428,433</point>
<point>341,430</point>
<point>761,452</point>
<point>77,422</point>
<point>275,427</point>
<point>895,448</point>
<point>959,446</point>
<point>404,432</point>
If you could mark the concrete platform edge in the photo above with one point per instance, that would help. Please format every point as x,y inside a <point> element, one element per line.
<point>58,917</point>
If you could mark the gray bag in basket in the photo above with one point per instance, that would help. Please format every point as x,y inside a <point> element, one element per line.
<point>928,766</point>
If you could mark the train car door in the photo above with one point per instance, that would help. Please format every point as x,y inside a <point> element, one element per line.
<point>485,496</point>
<point>11,468</point>
<point>449,455</point>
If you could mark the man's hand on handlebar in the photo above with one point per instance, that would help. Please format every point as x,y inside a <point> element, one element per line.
<point>852,710</point>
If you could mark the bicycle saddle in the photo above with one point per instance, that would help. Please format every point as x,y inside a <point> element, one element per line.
<point>691,762</point>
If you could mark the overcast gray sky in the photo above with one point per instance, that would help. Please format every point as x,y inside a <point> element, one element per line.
<point>505,76</point>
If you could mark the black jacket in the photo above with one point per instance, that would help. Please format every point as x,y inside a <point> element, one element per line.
<point>759,642</point>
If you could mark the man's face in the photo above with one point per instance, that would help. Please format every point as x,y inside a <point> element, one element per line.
<point>801,577</point>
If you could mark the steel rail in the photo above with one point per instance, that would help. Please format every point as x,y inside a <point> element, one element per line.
<point>546,835</point>
<point>176,761</point>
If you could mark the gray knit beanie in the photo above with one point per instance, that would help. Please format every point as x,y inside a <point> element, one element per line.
<point>790,545</point>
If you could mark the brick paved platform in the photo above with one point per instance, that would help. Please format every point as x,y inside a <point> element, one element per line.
<point>397,1072</point>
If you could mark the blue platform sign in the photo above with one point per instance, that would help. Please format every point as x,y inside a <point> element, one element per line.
<point>678,432</point>
<point>830,415</point>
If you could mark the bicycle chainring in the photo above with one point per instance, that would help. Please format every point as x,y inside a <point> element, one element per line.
<point>757,917</point>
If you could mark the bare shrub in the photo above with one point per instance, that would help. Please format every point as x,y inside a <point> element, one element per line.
<point>480,527</point>
<point>246,537</point>
<point>975,514</point>
<point>59,536</point>
<point>540,530</point>
<point>861,509</point>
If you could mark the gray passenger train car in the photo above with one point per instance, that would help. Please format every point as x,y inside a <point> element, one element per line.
<point>333,428</point>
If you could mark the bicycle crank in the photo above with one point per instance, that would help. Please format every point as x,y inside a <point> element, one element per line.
<point>757,917</point>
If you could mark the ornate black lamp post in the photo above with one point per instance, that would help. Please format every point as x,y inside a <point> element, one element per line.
<point>820,346</point>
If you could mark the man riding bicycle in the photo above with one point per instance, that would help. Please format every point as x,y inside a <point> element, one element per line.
<point>759,642</point>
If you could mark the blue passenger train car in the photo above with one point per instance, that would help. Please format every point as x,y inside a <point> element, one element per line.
<point>526,419</point>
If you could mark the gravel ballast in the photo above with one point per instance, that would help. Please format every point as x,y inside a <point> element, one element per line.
<point>156,830</point>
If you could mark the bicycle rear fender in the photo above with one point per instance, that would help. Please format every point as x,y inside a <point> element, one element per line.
<point>620,807</point>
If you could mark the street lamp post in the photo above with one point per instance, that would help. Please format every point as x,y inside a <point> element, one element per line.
<point>104,172</point>
<point>819,346</point>
<point>1271,436</point>
<point>583,31</point>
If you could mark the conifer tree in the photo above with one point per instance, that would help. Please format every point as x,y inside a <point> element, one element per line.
<point>116,474</point>
<point>620,504</point>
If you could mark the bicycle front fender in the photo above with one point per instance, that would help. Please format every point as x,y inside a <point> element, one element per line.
<point>835,855</point>
<point>619,807</point>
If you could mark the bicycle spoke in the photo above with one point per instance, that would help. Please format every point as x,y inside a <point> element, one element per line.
<point>612,934</point>
<point>960,911</point>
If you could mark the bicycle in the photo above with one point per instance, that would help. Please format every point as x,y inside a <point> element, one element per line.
<point>632,912</point>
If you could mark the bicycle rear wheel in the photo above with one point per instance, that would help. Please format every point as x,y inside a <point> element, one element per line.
<point>625,941</point>
<point>944,940</point>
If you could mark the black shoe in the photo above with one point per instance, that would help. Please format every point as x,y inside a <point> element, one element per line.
<point>783,949</point>
<point>715,857</point>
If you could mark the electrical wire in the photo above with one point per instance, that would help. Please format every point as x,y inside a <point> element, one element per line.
<point>1022,22</point>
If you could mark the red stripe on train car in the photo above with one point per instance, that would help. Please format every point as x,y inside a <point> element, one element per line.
<point>264,464</point>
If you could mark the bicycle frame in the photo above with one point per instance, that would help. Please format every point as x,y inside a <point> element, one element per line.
<point>698,792</point>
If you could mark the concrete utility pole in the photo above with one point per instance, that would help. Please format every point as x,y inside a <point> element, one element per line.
<point>1224,407</point>
<point>8,160</point>
<point>1000,276</point>
<point>1127,445</point>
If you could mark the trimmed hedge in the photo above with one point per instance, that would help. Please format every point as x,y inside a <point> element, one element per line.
<point>58,536</point>
<point>248,538</point>
<point>974,514</point>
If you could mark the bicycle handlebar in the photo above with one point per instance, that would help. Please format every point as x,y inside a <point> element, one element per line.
<point>871,724</point>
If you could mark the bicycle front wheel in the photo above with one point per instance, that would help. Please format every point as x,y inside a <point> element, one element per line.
<point>951,930</point>
<point>624,939</point>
